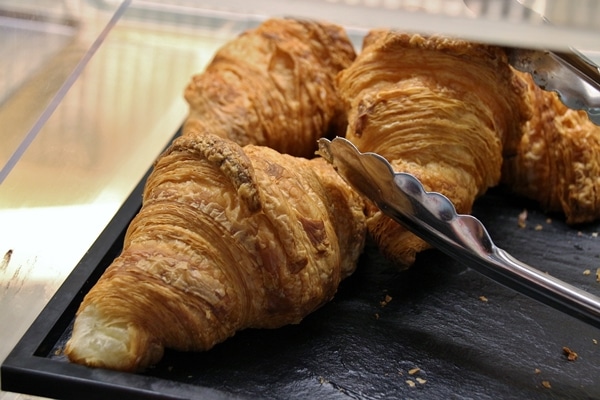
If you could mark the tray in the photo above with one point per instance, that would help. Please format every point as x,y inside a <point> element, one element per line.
<point>437,330</point>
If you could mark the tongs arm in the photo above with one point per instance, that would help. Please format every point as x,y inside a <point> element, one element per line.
<point>433,217</point>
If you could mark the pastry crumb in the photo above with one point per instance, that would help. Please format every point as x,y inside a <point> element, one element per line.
<point>537,371</point>
<point>385,301</point>
<point>546,384</point>
<point>522,219</point>
<point>587,272</point>
<point>571,355</point>
<point>538,227</point>
<point>598,275</point>
<point>548,220</point>
<point>421,381</point>
<point>410,383</point>
<point>413,371</point>
<point>594,341</point>
<point>594,234</point>
<point>483,298</point>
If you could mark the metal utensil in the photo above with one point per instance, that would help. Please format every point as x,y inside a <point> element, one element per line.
<point>433,217</point>
<point>573,76</point>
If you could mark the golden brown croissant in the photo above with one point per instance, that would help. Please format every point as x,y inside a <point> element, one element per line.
<point>274,86</point>
<point>227,238</point>
<point>444,110</point>
<point>557,162</point>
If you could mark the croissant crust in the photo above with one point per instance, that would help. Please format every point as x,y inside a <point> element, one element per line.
<point>227,239</point>
<point>444,110</point>
<point>274,86</point>
<point>557,162</point>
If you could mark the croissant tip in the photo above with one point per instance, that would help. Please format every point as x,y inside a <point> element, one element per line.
<point>101,342</point>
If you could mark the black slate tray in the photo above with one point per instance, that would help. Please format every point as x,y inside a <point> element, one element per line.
<point>382,324</point>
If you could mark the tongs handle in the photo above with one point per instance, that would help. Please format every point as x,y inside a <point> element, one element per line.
<point>433,217</point>
<point>546,288</point>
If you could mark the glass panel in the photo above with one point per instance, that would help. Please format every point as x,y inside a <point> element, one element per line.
<point>44,46</point>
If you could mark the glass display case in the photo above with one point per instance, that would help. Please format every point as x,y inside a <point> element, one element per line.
<point>91,91</point>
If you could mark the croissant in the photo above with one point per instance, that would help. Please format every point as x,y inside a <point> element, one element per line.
<point>274,86</point>
<point>227,238</point>
<point>444,110</point>
<point>557,162</point>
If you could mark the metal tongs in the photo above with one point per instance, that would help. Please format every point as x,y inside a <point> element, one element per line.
<point>575,78</point>
<point>433,217</point>
<point>569,73</point>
